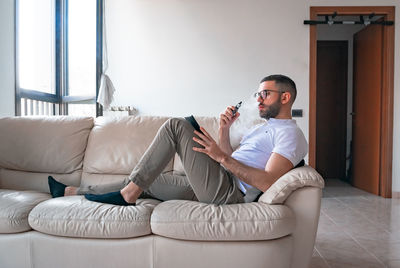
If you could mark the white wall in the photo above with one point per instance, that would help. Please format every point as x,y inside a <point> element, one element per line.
<point>7,67</point>
<point>172,57</point>
<point>197,57</point>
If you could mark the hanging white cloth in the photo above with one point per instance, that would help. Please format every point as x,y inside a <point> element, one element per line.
<point>106,90</point>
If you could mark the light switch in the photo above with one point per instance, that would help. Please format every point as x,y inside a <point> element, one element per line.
<point>297,113</point>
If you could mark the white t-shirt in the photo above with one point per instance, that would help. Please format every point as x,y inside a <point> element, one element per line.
<point>281,136</point>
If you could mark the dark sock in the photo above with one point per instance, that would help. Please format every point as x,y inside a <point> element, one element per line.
<point>57,189</point>
<point>114,198</point>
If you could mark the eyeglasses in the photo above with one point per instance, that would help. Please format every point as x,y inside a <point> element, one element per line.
<point>266,93</point>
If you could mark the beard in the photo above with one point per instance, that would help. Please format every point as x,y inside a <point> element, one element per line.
<point>272,110</point>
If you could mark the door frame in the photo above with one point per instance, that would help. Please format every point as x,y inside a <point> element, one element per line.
<point>386,142</point>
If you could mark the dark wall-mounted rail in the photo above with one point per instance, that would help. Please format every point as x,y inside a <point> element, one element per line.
<point>366,20</point>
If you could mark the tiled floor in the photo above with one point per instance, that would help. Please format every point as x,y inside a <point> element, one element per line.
<point>356,229</point>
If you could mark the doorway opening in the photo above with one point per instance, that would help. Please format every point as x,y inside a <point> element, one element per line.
<point>351,98</point>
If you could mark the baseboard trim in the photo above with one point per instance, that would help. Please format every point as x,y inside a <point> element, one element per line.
<point>396,195</point>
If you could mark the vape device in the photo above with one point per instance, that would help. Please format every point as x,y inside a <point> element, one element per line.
<point>236,108</point>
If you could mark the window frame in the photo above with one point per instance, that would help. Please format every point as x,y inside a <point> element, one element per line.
<point>61,96</point>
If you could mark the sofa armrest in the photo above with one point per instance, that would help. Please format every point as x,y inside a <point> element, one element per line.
<point>301,190</point>
<point>305,203</point>
<point>291,181</point>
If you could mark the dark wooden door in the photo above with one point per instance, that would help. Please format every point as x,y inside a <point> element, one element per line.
<point>331,126</point>
<point>367,108</point>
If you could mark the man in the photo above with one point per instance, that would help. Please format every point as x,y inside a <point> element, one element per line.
<point>215,172</point>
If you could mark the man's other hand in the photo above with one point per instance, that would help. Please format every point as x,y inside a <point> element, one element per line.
<point>211,148</point>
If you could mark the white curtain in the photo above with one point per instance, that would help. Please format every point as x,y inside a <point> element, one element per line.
<point>106,90</point>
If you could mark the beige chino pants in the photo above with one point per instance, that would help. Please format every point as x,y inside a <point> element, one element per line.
<point>206,180</point>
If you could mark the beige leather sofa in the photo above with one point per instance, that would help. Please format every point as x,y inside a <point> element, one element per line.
<point>37,231</point>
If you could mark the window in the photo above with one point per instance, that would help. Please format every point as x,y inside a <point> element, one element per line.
<point>58,56</point>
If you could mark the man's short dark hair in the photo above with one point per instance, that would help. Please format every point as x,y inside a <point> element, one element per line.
<point>284,83</point>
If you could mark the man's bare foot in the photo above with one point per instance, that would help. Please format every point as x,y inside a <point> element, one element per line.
<point>70,190</point>
<point>131,193</point>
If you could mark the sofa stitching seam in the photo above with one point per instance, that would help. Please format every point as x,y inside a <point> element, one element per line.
<point>89,220</point>
<point>229,221</point>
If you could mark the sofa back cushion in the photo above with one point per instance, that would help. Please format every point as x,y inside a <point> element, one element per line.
<point>35,181</point>
<point>44,144</point>
<point>116,144</point>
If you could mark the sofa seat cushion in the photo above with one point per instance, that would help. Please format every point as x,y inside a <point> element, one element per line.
<point>75,216</point>
<point>15,207</point>
<point>190,220</point>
